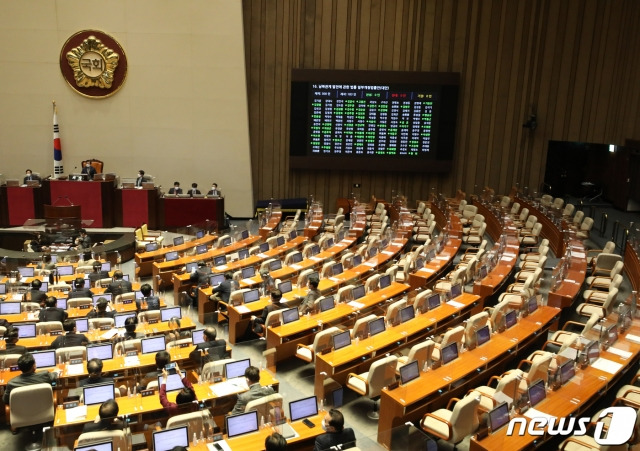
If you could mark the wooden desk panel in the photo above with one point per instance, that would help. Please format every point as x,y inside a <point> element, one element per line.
<point>632,266</point>
<point>437,266</point>
<point>569,289</point>
<point>95,198</point>
<point>496,278</point>
<point>145,260</point>
<point>271,225</point>
<point>549,230</point>
<point>184,211</point>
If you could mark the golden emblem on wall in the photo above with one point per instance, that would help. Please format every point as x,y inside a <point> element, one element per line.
<point>93,64</point>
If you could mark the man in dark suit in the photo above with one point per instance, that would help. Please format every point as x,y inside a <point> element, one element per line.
<point>83,241</point>
<point>80,291</point>
<point>11,337</point>
<point>336,435</point>
<point>119,285</point>
<point>94,368</point>
<point>256,391</point>
<point>101,310</point>
<point>214,191</point>
<point>108,418</point>
<point>30,176</point>
<point>70,337</point>
<point>162,359</point>
<point>200,277</point>
<point>51,312</point>
<point>194,189</point>
<point>153,302</point>
<point>209,350</point>
<point>259,322</point>
<point>89,170</point>
<point>141,178</point>
<point>222,292</point>
<point>176,188</point>
<point>97,273</point>
<point>34,294</point>
<point>27,365</point>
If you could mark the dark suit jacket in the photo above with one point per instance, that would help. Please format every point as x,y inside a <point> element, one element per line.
<point>153,303</point>
<point>52,314</point>
<point>193,191</point>
<point>99,380</point>
<point>13,349</point>
<point>119,287</point>
<point>200,276</point>
<point>212,193</point>
<point>97,314</point>
<point>142,179</point>
<point>35,296</point>
<point>175,190</point>
<point>30,177</point>
<point>69,339</point>
<point>224,290</point>
<point>89,170</point>
<point>83,293</point>
<point>256,391</point>
<point>103,425</point>
<point>216,350</point>
<point>93,276</point>
<point>346,438</point>
<point>28,379</point>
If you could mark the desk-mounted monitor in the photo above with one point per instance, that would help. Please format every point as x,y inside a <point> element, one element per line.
<point>433,301</point>
<point>171,256</point>
<point>409,372</point>
<point>290,315</point>
<point>102,351</point>
<point>97,394</point>
<point>242,423</point>
<point>407,313</point>
<point>303,408</point>
<point>170,312</point>
<point>449,353</point>
<point>248,272</point>
<point>341,340</point>
<point>357,292</point>
<point>216,279</point>
<point>326,303</point>
<point>250,296</point>
<point>236,369</point>
<point>376,326</point>
<point>498,417</point>
<point>285,287</point>
<point>168,439</point>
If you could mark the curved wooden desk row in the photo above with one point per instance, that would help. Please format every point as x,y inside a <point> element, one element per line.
<point>566,293</point>
<point>97,336</point>
<point>549,230</point>
<point>574,398</point>
<point>632,266</point>
<point>410,402</point>
<point>145,260</point>
<point>357,357</point>
<point>271,225</point>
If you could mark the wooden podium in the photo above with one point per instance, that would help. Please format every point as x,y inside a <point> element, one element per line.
<point>61,217</point>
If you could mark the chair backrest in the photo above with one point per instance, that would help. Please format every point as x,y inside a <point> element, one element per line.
<point>453,335</point>
<point>393,312</point>
<point>381,374</point>
<point>123,347</point>
<point>505,201</point>
<point>60,287</point>
<point>568,210</point>
<point>9,359</point>
<point>463,204</point>
<point>71,352</point>
<point>221,240</point>
<point>360,326</point>
<point>392,270</point>
<point>371,284</point>
<point>177,343</point>
<point>214,367</point>
<point>606,262</point>
<point>475,322</point>
<point>515,208</point>
<point>303,277</point>
<point>546,200</point>
<point>464,417</point>
<point>273,317</point>
<point>96,323</point>
<point>421,352</point>
<point>30,306</point>
<point>420,301</point>
<point>539,367</point>
<point>346,259</point>
<point>45,327</point>
<point>586,225</point>
<point>508,384</point>
<point>236,296</point>
<point>531,221</point>
<point>322,340</point>
<point>77,302</point>
<point>344,294</point>
<point>471,269</point>
<point>578,217</point>
<point>264,266</point>
<point>327,270</point>
<point>195,421</point>
<point>31,405</point>
<point>149,315</point>
<point>119,439</point>
<point>610,300</point>
<point>558,202</point>
<point>498,313</point>
<point>124,296</point>
<point>289,257</point>
<point>266,406</point>
<point>524,214</point>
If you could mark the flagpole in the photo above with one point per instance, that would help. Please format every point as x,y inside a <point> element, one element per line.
<point>58,169</point>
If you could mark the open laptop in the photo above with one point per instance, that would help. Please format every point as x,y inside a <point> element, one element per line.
<point>326,303</point>
<point>275,265</point>
<point>152,345</point>
<point>98,446</point>
<point>567,371</point>
<point>456,290</point>
<point>220,260</point>
<point>264,247</point>
<point>201,249</point>
<point>167,439</point>
<point>449,353</point>
<point>97,394</point>
<point>45,359</point>
<point>170,312</point>
<point>337,269</point>
<point>82,324</point>
<point>290,315</point>
<point>357,261</point>
<point>243,253</point>
<point>498,417</point>
<point>536,392</point>
<point>409,372</point>
<point>341,340</point>
<point>384,281</point>
<point>150,247</point>
<point>243,423</point>
<point>99,351</point>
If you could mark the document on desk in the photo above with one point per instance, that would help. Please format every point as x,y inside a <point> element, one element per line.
<point>388,253</point>
<point>370,264</point>
<point>261,255</point>
<point>443,257</point>
<point>296,267</point>
<point>242,309</point>
<point>578,254</point>
<point>76,413</point>
<point>229,387</point>
<point>534,413</point>
<point>75,369</point>
<point>606,365</point>
<point>455,304</point>
<point>131,360</point>
<point>315,259</point>
<point>109,334</point>
<point>221,267</point>
<point>632,338</point>
<point>248,281</point>
<point>356,305</point>
<point>619,352</point>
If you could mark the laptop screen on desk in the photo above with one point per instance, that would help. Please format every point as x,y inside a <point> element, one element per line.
<point>3,288</point>
<point>407,314</point>
<point>434,301</point>
<point>280,241</point>
<point>150,247</point>
<point>303,408</point>
<point>26,271</point>
<point>483,335</point>
<point>290,315</point>
<point>264,247</point>
<point>248,272</point>
<point>537,392</point>
<point>97,394</point>
<point>220,260</point>
<point>44,287</point>
<point>567,371</point>
<point>243,253</point>
<point>449,353</point>
<point>296,258</point>
<point>197,336</point>
<point>337,269</point>
<point>201,249</point>
<point>357,292</point>
<point>293,234</point>
<point>153,344</point>
<point>82,324</point>
<point>357,260</point>
<point>216,279</point>
<point>275,265</point>
<point>510,318</point>
<point>191,267</point>
<point>337,397</point>
<point>499,416</point>
<point>341,340</point>
<point>236,369</point>
<point>177,241</point>
<point>326,303</point>
<point>45,359</point>
<point>170,312</point>
<point>26,330</point>
<point>250,296</point>
<point>102,446</point>
<point>409,372</point>
<point>226,241</point>
<point>384,281</point>
<point>244,234</point>
<point>373,252</point>
<point>243,423</point>
<point>532,304</point>
<point>199,234</point>
<point>171,256</point>
<point>285,286</point>
<point>10,308</point>
<point>314,250</point>
<point>102,352</point>
<point>376,326</point>
<point>456,290</point>
<point>106,266</point>
<point>120,318</point>
<point>168,439</point>
<point>65,270</point>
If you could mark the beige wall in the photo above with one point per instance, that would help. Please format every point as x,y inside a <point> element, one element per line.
<point>181,114</point>
<point>575,60</point>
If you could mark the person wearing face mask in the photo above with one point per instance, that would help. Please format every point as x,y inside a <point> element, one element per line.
<point>89,170</point>
<point>214,191</point>
<point>336,434</point>
<point>141,178</point>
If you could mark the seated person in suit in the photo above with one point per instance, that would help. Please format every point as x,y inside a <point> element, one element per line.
<point>102,310</point>
<point>214,191</point>
<point>27,365</point>
<point>185,396</point>
<point>83,241</point>
<point>258,323</point>
<point>41,243</point>
<point>336,435</point>
<point>308,303</point>
<point>51,312</point>
<point>130,325</point>
<point>200,277</point>
<point>119,285</point>
<point>176,188</point>
<point>97,273</point>
<point>256,391</point>
<point>107,418</point>
<point>30,176</point>
<point>34,294</point>
<point>94,368</point>
<point>46,262</point>
<point>79,290</point>
<point>275,442</point>
<point>194,189</point>
<point>268,284</point>
<point>162,359</point>
<point>222,292</point>
<point>153,302</point>
<point>11,337</point>
<point>142,178</point>
<point>70,337</point>
<point>210,349</point>
<point>88,169</point>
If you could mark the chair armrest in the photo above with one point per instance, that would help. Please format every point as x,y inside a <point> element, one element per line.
<point>357,376</point>
<point>631,391</point>
<point>494,378</point>
<point>572,323</point>
<point>626,402</point>
<point>527,361</point>
<point>441,420</point>
<point>452,402</point>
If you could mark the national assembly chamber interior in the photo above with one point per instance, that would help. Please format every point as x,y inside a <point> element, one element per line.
<point>319,224</point>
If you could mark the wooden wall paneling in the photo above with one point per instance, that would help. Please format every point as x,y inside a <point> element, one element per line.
<point>395,39</point>
<point>341,34</point>
<point>630,99</point>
